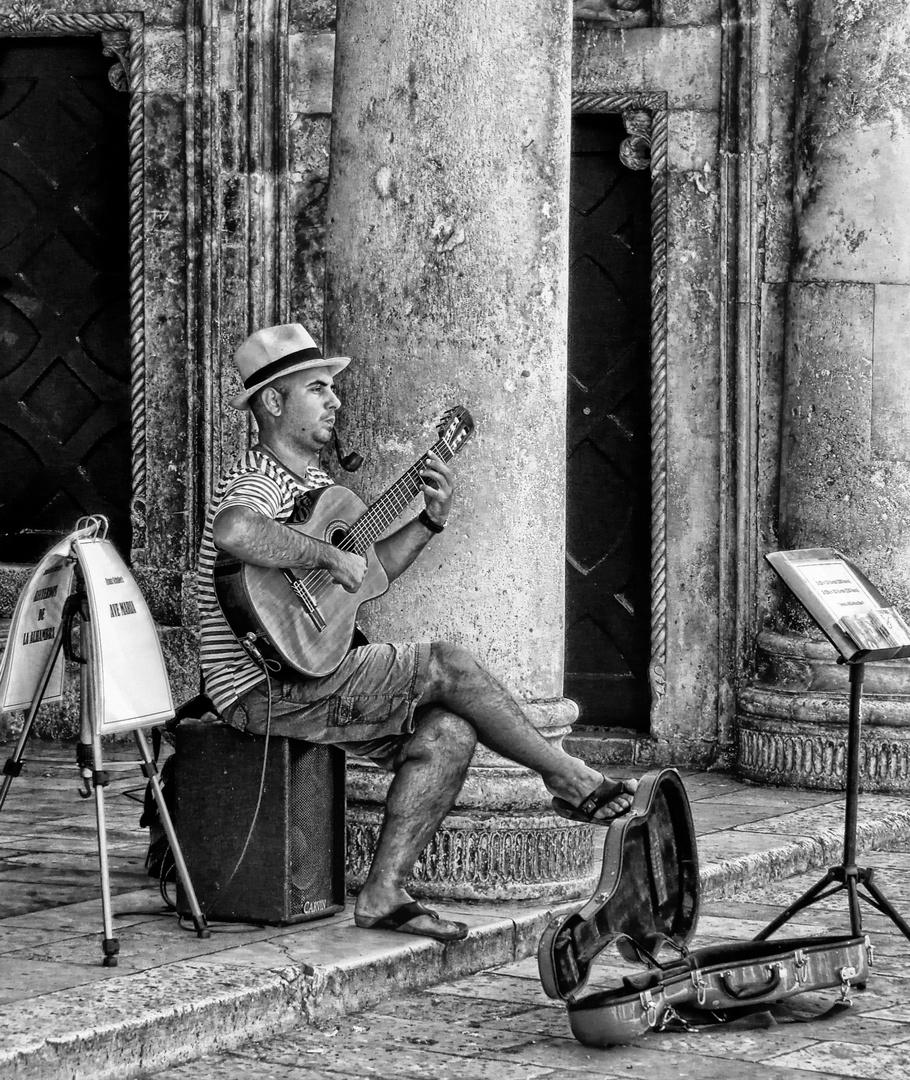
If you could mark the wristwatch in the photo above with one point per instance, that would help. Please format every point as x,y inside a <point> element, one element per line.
<point>428,523</point>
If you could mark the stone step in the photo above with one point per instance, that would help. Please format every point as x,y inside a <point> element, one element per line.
<point>116,1027</point>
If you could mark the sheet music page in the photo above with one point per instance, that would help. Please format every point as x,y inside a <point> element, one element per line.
<point>837,587</point>
<point>34,629</point>
<point>130,681</point>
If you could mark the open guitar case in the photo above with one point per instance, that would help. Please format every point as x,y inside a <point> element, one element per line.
<point>646,902</point>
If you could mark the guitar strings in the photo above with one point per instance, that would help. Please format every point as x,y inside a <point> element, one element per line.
<point>316,582</point>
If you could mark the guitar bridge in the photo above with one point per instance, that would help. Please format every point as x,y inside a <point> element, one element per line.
<point>309,604</point>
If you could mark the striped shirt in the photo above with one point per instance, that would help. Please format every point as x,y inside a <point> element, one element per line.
<point>256,481</point>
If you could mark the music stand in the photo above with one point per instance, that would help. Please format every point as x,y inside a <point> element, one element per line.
<point>832,589</point>
<point>123,683</point>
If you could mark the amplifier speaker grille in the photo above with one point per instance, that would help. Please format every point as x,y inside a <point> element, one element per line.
<point>293,869</point>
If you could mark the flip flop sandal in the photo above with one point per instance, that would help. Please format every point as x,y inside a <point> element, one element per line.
<point>399,917</point>
<point>604,793</point>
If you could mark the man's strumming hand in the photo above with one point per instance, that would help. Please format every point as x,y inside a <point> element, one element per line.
<point>347,568</point>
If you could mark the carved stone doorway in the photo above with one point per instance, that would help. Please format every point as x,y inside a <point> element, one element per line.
<point>64,294</point>
<point>608,432</point>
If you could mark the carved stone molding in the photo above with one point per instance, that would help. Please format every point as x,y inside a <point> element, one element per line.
<point>622,14</point>
<point>645,118</point>
<point>794,754</point>
<point>122,36</point>
<point>635,152</point>
<point>792,721</point>
<point>117,43</point>
<point>239,113</point>
<point>485,858</point>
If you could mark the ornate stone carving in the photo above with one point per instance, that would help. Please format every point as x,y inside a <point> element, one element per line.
<point>117,43</point>
<point>635,152</point>
<point>777,752</point>
<point>619,13</point>
<point>792,722</point>
<point>25,17</point>
<point>517,858</point>
<point>645,117</point>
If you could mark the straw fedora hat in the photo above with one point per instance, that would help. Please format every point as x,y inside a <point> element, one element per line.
<point>274,351</point>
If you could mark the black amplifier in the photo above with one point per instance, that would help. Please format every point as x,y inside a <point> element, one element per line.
<point>293,869</point>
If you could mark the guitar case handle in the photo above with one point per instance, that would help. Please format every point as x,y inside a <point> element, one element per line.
<point>747,993</point>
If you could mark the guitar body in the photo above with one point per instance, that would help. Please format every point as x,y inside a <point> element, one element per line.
<point>261,601</point>
<point>304,621</point>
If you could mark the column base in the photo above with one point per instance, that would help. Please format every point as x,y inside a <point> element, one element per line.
<point>500,841</point>
<point>474,857</point>
<point>792,724</point>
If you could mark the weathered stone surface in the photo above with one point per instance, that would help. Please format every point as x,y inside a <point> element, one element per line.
<point>463,224</point>
<point>854,144</point>
<point>844,480</point>
<point>689,12</point>
<point>835,493</point>
<point>166,58</point>
<point>454,192</point>
<point>314,16</point>
<point>311,70</point>
<point>797,664</point>
<point>693,148</point>
<point>890,376</point>
<point>309,179</point>
<point>623,14</point>
<point>774,73</point>
<point>683,63</point>
<point>694,397</point>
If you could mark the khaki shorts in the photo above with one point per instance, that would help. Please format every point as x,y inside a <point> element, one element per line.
<point>366,706</point>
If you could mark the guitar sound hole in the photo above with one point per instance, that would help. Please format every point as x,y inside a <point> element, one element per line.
<point>336,535</point>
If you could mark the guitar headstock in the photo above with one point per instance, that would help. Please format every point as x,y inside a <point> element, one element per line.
<point>455,427</point>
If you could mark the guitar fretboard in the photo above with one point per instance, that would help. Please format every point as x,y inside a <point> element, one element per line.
<point>374,522</point>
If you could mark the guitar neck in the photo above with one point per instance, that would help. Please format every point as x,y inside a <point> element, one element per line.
<point>389,506</point>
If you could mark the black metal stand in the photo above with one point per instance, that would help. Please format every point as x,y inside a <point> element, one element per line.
<point>847,876</point>
<point>93,772</point>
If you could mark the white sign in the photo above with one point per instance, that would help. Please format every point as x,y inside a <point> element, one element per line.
<point>34,631</point>
<point>129,685</point>
<point>838,588</point>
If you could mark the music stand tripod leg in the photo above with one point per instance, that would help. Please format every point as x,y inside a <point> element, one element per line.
<point>150,770</point>
<point>879,901</point>
<point>807,898</point>
<point>90,735</point>
<point>110,946</point>
<point>13,765</point>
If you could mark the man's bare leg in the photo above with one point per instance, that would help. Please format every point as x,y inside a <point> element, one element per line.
<point>459,683</point>
<point>422,792</point>
<point>430,778</point>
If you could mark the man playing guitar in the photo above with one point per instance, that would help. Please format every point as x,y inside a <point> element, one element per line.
<point>417,709</point>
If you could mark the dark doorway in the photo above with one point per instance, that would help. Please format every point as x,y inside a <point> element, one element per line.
<point>64,294</point>
<point>608,533</point>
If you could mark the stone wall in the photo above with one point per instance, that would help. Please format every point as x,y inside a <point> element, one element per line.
<point>229,136</point>
<point>152,46</point>
<point>836,312</point>
<point>680,61</point>
<point>237,112</point>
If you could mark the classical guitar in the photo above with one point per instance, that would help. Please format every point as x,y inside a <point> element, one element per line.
<point>306,622</point>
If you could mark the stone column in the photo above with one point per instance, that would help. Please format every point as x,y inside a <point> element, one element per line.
<point>845,454</point>
<point>447,242</point>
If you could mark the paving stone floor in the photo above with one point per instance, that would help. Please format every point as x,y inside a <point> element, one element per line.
<point>499,1025</point>
<point>495,1024</point>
